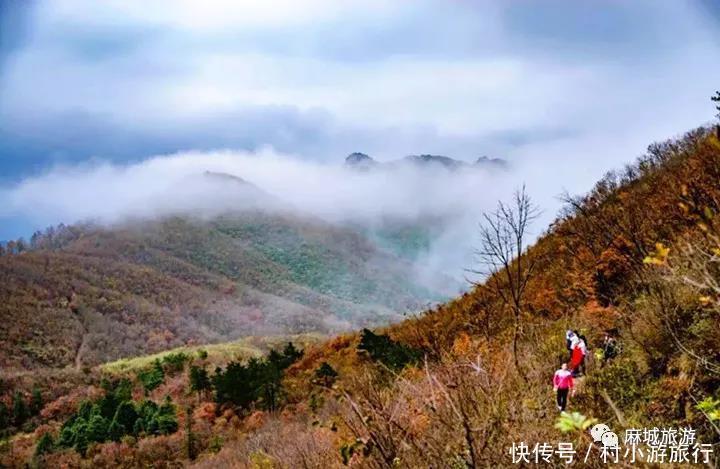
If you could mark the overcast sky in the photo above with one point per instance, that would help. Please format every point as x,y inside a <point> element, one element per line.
<point>564,90</point>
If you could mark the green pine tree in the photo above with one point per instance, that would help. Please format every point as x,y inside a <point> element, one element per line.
<point>382,348</point>
<point>126,415</point>
<point>189,435</point>
<point>44,445</point>
<point>97,429</point>
<point>116,431</point>
<point>199,380</point>
<point>4,417</point>
<point>291,354</point>
<point>166,420</point>
<point>36,401</point>
<point>80,437</point>
<point>326,374</point>
<point>19,409</point>
<point>153,377</point>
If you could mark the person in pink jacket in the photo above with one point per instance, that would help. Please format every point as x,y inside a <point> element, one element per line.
<point>563,384</point>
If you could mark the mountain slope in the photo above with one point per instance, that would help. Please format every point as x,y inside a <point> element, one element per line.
<point>636,257</point>
<point>94,294</point>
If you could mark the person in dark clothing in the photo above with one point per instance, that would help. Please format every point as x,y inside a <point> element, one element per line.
<point>610,349</point>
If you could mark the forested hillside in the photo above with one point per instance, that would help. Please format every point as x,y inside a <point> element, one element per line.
<point>636,257</point>
<point>86,294</point>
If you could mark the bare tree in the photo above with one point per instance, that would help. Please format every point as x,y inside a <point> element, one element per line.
<point>502,258</point>
<point>696,266</point>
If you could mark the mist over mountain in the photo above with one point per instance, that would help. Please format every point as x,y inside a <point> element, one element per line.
<point>418,207</point>
<point>96,293</point>
<point>358,233</point>
<point>214,247</point>
<point>363,161</point>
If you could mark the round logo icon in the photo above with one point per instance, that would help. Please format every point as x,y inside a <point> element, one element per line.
<point>597,431</point>
<point>609,439</point>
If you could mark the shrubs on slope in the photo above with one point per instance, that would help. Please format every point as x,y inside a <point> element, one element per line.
<point>390,353</point>
<point>199,380</point>
<point>325,375</point>
<point>114,416</point>
<point>85,295</point>
<point>256,382</point>
<point>153,377</point>
<point>468,404</point>
<point>20,412</point>
<point>171,364</point>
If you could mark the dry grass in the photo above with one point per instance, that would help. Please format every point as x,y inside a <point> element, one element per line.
<point>242,349</point>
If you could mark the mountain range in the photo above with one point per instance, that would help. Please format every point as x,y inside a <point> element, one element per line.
<point>363,161</point>
<point>221,260</point>
<point>90,293</point>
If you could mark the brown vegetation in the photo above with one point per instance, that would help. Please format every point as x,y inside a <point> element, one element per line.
<point>85,295</point>
<point>638,256</point>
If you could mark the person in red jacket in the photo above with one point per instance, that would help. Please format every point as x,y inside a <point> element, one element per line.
<point>577,358</point>
<point>563,384</point>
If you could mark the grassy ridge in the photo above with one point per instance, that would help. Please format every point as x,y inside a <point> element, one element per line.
<point>242,349</point>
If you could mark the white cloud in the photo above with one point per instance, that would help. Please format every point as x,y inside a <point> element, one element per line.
<point>564,92</point>
<point>213,15</point>
<point>175,184</point>
<point>177,59</point>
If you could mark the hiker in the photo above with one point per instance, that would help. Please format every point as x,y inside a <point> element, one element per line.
<point>610,349</point>
<point>576,358</point>
<point>582,344</point>
<point>571,339</point>
<point>563,384</point>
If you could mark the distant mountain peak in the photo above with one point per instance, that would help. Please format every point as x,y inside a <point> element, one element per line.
<point>225,177</point>
<point>363,161</point>
<point>445,161</point>
<point>359,159</point>
<point>496,162</point>
<point>225,192</point>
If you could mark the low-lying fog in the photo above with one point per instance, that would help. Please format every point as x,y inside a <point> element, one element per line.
<point>452,201</point>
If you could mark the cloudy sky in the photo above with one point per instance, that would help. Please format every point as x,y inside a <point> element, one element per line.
<point>564,90</point>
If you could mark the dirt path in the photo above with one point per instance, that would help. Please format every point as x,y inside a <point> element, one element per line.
<point>80,351</point>
<point>83,343</point>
